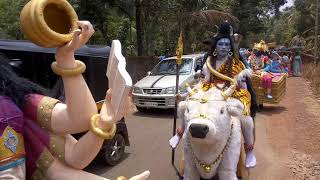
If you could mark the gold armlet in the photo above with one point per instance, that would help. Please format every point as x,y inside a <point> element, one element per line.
<point>81,67</point>
<point>99,132</point>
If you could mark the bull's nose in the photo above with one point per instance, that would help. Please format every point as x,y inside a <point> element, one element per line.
<point>198,130</point>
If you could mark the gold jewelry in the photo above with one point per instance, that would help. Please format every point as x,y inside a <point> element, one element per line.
<point>202,100</point>
<point>121,178</point>
<point>202,116</point>
<point>215,52</point>
<point>208,167</point>
<point>81,67</point>
<point>99,132</point>
<point>224,95</point>
<point>230,53</point>
<point>193,92</point>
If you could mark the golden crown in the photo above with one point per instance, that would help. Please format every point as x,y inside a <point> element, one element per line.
<point>261,46</point>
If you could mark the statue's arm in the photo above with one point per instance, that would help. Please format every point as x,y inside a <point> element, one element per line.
<point>73,115</point>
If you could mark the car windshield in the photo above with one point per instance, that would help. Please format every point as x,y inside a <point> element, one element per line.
<point>169,67</point>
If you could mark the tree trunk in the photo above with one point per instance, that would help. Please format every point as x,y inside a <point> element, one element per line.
<point>139,27</point>
<point>316,34</point>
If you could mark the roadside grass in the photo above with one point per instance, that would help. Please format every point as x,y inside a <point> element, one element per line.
<point>311,72</point>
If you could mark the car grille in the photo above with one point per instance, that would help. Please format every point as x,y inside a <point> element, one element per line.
<point>145,101</point>
<point>152,91</point>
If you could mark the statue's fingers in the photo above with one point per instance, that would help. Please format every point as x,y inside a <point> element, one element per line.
<point>87,31</point>
<point>108,95</point>
<point>75,39</point>
<point>86,27</point>
<point>141,176</point>
<point>107,113</point>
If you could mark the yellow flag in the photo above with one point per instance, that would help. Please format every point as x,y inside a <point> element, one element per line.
<point>179,50</point>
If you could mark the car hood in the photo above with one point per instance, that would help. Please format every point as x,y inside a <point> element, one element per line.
<point>160,81</point>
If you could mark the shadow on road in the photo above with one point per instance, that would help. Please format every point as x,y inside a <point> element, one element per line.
<point>267,110</point>
<point>161,113</point>
<point>99,167</point>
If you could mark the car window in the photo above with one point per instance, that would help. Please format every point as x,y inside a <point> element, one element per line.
<point>169,67</point>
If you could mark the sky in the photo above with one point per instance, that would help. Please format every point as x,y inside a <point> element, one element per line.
<point>289,4</point>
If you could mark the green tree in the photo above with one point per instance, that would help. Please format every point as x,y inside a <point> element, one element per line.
<point>275,6</point>
<point>9,19</point>
<point>251,14</point>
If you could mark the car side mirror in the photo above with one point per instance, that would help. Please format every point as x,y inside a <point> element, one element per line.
<point>148,73</point>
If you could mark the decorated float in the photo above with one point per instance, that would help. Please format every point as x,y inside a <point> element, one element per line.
<point>279,82</point>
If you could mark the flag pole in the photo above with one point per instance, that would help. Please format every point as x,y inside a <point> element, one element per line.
<point>179,53</point>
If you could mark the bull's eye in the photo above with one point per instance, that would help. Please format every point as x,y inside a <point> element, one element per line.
<point>222,111</point>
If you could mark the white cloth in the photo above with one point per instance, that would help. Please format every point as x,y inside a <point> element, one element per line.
<point>251,160</point>
<point>174,141</point>
<point>16,173</point>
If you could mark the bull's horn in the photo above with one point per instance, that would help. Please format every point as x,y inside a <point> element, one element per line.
<point>190,91</point>
<point>226,94</point>
<point>231,89</point>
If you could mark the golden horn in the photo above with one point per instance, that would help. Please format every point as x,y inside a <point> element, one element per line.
<point>48,23</point>
<point>232,87</point>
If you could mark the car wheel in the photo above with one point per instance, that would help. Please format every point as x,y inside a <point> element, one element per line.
<point>114,150</point>
<point>142,109</point>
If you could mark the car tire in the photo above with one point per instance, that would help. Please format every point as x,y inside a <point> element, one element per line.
<point>114,150</point>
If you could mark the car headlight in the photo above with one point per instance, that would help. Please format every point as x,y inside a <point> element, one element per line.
<point>136,90</point>
<point>171,90</point>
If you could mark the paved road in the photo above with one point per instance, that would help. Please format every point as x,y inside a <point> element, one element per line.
<point>149,135</point>
<point>287,141</point>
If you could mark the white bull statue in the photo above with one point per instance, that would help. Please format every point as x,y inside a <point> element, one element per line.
<point>212,135</point>
<point>212,123</point>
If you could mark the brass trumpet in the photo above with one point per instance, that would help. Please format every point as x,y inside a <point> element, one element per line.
<point>48,23</point>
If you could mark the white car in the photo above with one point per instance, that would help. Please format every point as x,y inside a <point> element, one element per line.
<point>158,88</point>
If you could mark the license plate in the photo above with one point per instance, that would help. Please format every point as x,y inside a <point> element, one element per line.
<point>151,104</point>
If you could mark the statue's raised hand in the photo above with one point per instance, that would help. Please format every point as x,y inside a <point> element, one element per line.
<point>65,54</point>
<point>141,176</point>
<point>107,115</point>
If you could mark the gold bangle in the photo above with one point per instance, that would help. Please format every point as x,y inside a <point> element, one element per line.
<point>81,67</point>
<point>121,178</point>
<point>99,132</point>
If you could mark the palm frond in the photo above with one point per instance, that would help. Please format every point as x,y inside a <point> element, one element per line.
<point>212,18</point>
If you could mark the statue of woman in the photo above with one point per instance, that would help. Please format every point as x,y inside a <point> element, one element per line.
<point>35,129</point>
<point>224,59</point>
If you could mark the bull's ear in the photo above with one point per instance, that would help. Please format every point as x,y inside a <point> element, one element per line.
<point>234,107</point>
<point>182,106</point>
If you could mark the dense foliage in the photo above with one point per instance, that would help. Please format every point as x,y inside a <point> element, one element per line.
<point>151,27</point>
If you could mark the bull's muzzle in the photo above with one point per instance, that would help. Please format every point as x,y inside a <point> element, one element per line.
<point>199,130</point>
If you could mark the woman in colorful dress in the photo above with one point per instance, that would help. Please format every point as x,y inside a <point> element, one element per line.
<point>35,129</point>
